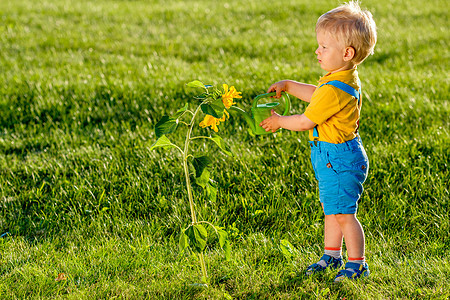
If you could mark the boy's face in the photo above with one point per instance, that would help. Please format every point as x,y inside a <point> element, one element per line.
<point>333,56</point>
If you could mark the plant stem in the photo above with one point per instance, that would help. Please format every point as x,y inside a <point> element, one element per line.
<point>188,186</point>
<point>203,266</point>
<point>186,167</point>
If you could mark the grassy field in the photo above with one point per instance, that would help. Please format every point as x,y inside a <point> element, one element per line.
<point>87,211</point>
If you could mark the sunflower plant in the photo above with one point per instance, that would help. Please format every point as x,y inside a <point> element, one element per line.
<point>213,103</point>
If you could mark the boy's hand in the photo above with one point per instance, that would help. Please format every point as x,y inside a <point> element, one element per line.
<point>272,123</point>
<point>277,87</point>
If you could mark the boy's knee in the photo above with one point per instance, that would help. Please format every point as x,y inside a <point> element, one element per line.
<point>345,218</point>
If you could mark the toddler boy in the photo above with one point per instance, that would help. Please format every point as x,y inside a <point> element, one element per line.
<point>346,36</point>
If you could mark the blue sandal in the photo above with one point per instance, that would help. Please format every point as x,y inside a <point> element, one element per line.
<point>353,271</point>
<point>329,261</point>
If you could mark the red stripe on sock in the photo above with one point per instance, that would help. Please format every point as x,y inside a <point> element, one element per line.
<point>332,248</point>
<point>358,258</point>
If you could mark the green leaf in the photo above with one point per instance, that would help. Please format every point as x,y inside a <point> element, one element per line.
<point>209,110</point>
<point>203,179</point>
<point>202,96</point>
<point>287,249</point>
<point>223,236</point>
<point>218,105</point>
<point>183,243</point>
<point>165,126</point>
<point>200,163</point>
<point>223,241</point>
<point>162,142</point>
<point>180,111</point>
<point>196,84</point>
<point>211,190</point>
<point>227,249</point>
<point>222,145</point>
<point>197,235</point>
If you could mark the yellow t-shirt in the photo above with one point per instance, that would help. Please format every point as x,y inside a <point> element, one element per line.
<point>334,111</point>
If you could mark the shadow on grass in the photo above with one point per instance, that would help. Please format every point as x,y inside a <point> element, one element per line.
<point>288,286</point>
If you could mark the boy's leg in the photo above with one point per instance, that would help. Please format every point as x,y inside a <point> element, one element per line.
<point>353,234</point>
<point>333,247</point>
<point>333,233</point>
<point>354,241</point>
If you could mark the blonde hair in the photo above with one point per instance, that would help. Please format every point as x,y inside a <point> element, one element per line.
<point>353,26</point>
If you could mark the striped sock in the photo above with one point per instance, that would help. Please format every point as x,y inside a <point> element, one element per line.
<point>357,260</point>
<point>335,252</point>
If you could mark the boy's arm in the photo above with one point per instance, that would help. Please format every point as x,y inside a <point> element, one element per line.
<point>300,90</point>
<point>294,122</point>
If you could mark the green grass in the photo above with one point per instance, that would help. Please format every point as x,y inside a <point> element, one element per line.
<point>82,85</point>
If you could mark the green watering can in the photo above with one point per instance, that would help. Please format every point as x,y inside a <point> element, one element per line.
<point>262,111</point>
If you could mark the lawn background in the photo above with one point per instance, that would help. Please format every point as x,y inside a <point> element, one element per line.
<point>82,85</point>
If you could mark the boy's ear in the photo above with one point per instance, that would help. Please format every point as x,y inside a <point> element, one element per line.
<point>349,53</point>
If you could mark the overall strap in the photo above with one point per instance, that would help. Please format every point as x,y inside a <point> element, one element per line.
<point>315,135</point>
<point>344,87</point>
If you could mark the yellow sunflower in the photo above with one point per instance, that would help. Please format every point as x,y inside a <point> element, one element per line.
<point>229,95</point>
<point>210,121</point>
